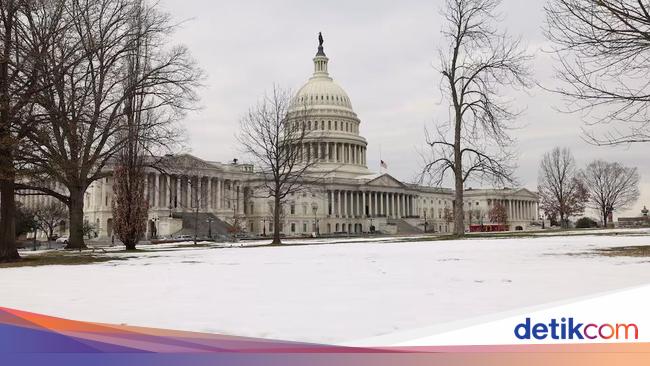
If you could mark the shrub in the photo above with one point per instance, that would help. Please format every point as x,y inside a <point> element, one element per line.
<point>586,223</point>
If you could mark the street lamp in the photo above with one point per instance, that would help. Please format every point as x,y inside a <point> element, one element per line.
<point>317,227</point>
<point>209,220</point>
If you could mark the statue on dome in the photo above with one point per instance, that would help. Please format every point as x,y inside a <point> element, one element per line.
<point>320,39</point>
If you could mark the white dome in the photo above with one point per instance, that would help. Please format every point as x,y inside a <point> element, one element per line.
<point>322,91</point>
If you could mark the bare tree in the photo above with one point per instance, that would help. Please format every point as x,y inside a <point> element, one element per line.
<point>26,31</point>
<point>91,89</point>
<point>603,50</point>
<point>448,215</point>
<point>477,64</point>
<point>561,189</point>
<point>49,216</point>
<point>611,186</point>
<point>498,214</point>
<point>130,206</point>
<point>273,133</point>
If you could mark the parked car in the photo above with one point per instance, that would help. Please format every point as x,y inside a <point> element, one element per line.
<point>63,240</point>
<point>186,237</point>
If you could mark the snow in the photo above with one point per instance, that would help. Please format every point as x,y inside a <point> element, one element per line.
<point>330,293</point>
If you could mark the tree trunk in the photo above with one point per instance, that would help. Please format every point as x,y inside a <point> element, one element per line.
<point>76,206</point>
<point>605,220</point>
<point>8,250</point>
<point>276,220</point>
<point>459,215</point>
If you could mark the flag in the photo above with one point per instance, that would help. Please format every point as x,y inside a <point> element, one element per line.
<point>384,165</point>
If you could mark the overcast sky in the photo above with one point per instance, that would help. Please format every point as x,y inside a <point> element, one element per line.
<point>383,54</point>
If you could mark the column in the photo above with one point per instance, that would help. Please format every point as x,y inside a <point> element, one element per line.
<point>397,208</point>
<point>178,191</point>
<point>345,204</point>
<point>396,205</point>
<point>146,190</point>
<point>169,191</point>
<point>240,199</point>
<point>328,210</point>
<point>338,204</point>
<point>363,204</point>
<point>510,210</point>
<point>408,205</point>
<point>190,204</point>
<point>156,193</point>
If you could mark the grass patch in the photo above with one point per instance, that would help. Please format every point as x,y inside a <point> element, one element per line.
<point>632,251</point>
<point>60,259</point>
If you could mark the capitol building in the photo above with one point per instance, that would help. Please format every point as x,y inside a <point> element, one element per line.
<point>351,199</point>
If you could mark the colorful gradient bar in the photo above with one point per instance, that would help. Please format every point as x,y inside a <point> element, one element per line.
<point>33,339</point>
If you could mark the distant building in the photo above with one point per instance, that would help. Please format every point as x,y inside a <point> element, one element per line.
<point>635,222</point>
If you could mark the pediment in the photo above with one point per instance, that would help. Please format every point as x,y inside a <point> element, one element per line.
<point>185,162</point>
<point>385,180</point>
<point>526,192</point>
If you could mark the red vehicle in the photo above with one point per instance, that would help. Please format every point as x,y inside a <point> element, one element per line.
<point>488,228</point>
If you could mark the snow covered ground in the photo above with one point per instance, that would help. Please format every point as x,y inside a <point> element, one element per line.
<point>330,293</point>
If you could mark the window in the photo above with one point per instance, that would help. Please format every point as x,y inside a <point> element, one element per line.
<point>293,227</point>
<point>293,209</point>
<point>329,125</point>
<point>304,227</point>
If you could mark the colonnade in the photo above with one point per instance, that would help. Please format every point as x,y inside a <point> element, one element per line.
<point>360,204</point>
<point>165,191</point>
<point>518,209</point>
<point>333,152</point>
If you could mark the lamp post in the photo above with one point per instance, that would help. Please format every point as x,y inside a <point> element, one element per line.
<point>425,221</point>
<point>316,226</point>
<point>209,220</point>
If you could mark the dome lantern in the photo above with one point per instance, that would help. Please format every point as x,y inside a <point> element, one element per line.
<point>320,61</point>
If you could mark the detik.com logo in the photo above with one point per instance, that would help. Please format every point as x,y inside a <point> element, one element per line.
<point>568,328</point>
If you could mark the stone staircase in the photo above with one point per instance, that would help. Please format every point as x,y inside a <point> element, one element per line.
<point>404,227</point>
<point>218,227</point>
